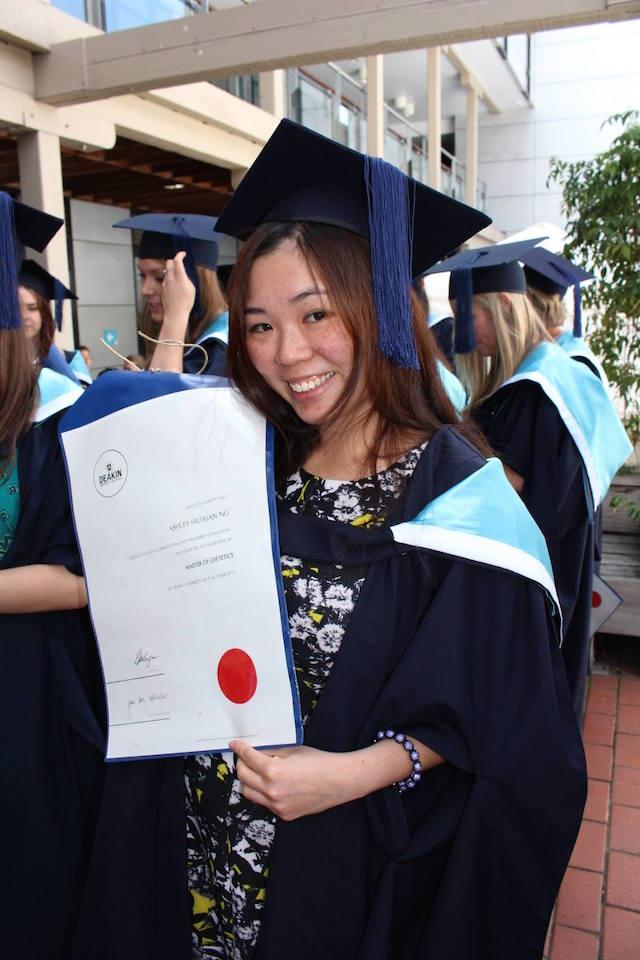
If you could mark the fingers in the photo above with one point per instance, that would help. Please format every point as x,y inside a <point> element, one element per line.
<point>259,762</point>
<point>176,262</point>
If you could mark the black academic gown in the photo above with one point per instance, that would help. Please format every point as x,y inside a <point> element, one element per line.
<point>464,867</point>
<point>50,726</point>
<point>216,358</point>
<point>526,431</point>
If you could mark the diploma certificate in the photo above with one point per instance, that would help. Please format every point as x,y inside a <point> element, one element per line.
<point>171,488</point>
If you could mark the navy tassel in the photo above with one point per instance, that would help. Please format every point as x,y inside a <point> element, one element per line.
<point>182,241</point>
<point>59,295</point>
<point>577,311</point>
<point>9,308</point>
<point>390,201</point>
<point>462,289</point>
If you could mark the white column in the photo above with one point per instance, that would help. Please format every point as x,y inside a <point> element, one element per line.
<point>471,158</point>
<point>375,106</point>
<point>434,116</point>
<point>273,93</point>
<point>41,186</point>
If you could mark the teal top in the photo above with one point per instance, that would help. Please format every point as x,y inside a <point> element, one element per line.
<point>9,506</point>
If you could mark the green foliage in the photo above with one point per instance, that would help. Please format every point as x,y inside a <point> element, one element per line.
<point>631,507</point>
<point>601,200</point>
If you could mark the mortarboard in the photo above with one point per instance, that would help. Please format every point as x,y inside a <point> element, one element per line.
<point>34,277</point>
<point>20,225</point>
<point>165,234</point>
<point>552,274</point>
<point>302,176</point>
<point>492,269</point>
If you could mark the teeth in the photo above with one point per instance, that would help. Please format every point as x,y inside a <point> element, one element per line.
<point>304,386</point>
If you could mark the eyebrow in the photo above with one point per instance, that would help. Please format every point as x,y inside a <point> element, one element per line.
<point>314,292</point>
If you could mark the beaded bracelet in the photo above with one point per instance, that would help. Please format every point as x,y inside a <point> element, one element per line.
<point>414,756</point>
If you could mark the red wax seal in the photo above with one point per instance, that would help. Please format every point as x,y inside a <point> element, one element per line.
<point>237,675</point>
<point>596,600</point>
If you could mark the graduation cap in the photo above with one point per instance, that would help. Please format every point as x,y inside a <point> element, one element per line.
<point>482,270</point>
<point>34,277</point>
<point>552,274</point>
<point>302,176</point>
<point>20,225</point>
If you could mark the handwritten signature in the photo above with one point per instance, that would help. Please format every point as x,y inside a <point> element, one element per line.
<point>144,656</point>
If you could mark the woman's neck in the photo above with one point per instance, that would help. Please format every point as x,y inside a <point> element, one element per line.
<point>343,452</point>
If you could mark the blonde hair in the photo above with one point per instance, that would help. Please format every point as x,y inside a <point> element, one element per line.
<point>550,309</point>
<point>212,304</point>
<point>518,329</point>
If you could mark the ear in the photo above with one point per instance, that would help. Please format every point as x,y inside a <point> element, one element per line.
<point>505,299</point>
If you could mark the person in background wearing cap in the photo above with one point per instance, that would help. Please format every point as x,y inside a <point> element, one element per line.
<point>168,314</point>
<point>51,688</point>
<point>550,420</point>
<point>432,809</point>
<point>36,288</point>
<point>549,277</point>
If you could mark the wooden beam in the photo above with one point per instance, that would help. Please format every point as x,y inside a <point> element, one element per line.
<point>283,33</point>
<point>25,24</point>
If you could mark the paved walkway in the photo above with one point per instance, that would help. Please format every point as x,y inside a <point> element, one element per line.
<point>597,916</point>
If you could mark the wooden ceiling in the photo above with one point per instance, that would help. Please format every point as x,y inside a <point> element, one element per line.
<point>132,175</point>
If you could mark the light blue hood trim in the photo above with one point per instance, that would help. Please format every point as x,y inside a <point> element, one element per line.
<point>218,329</point>
<point>577,347</point>
<point>483,519</point>
<point>80,368</point>
<point>586,410</point>
<point>452,385</point>
<point>56,393</point>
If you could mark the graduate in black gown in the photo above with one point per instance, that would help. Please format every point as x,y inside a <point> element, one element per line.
<point>203,321</point>
<point>549,277</point>
<point>433,807</point>
<point>50,709</point>
<point>551,421</point>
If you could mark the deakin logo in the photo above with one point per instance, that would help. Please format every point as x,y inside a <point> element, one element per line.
<point>110,473</point>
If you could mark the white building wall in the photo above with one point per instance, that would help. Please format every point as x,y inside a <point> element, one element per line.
<point>580,76</point>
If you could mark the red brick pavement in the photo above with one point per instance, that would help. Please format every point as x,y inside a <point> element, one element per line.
<point>597,916</point>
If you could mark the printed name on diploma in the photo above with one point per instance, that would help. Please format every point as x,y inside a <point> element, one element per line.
<point>194,521</point>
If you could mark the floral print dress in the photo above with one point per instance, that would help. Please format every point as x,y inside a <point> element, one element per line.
<point>229,838</point>
<point>9,506</point>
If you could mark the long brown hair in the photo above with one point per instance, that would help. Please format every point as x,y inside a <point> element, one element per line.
<point>212,303</point>
<point>18,391</point>
<point>47,325</point>
<point>408,403</point>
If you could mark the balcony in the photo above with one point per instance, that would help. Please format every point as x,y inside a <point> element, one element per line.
<point>333,102</point>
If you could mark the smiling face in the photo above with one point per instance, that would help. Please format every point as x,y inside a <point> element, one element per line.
<point>152,274</point>
<point>295,339</point>
<point>30,314</point>
<point>484,331</point>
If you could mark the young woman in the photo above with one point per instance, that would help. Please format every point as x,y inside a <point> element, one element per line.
<point>432,809</point>
<point>37,288</point>
<point>550,420</point>
<point>549,277</point>
<point>51,688</point>
<point>205,322</point>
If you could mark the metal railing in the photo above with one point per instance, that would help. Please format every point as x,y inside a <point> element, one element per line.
<point>334,104</point>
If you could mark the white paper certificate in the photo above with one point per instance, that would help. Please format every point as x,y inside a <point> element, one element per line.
<point>171,506</point>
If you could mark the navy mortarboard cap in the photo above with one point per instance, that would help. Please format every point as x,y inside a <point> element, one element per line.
<point>34,277</point>
<point>482,270</point>
<point>19,225</point>
<point>552,274</point>
<point>164,234</point>
<point>302,176</point>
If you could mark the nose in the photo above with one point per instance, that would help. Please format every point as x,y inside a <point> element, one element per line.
<point>148,286</point>
<point>292,345</point>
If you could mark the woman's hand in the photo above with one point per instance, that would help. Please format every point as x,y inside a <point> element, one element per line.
<point>295,781</point>
<point>178,298</point>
